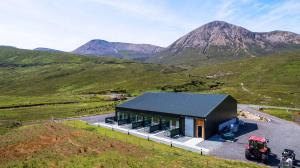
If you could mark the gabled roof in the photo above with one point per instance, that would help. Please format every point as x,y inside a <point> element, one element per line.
<point>187,104</point>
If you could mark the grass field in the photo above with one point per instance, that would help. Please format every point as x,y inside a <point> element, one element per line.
<point>37,109</point>
<point>37,85</point>
<point>82,145</point>
<point>270,80</point>
<point>290,115</point>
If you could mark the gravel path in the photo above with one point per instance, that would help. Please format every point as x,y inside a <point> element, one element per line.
<point>281,134</point>
<point>96,118</point>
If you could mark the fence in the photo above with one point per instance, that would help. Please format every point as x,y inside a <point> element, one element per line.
<point>154,128</point>
<point>110,120</point>
<point>147,123</point>
<point>174,132</point>
<point>123,121</point>
<point>164,125</point>
<point>137,124</point>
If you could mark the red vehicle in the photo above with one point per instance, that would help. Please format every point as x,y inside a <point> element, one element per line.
<point>257,148</point>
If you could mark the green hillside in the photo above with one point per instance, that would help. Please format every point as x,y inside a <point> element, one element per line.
<point>266,80</point>
<point>36,73</point>
<point>214,55</point>
<point>43,85</point>
<point>37,85</point>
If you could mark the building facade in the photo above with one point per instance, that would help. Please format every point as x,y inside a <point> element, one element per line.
<point>188,114</point>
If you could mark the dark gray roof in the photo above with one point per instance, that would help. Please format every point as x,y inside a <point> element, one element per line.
<point>188,104</point>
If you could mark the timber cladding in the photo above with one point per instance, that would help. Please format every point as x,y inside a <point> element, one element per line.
<point>200,122</point>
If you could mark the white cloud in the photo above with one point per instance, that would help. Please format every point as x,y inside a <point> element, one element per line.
<point>149,10</point>
<point>67,24</point>
<point>225,10</point>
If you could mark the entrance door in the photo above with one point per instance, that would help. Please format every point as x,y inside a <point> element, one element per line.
<point>199,131</point>
<point>199,128</point>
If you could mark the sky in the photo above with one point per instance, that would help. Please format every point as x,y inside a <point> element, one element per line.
<point>67,24</point>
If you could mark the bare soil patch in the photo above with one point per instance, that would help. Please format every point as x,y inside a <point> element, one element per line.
<point>251,116</point>
<point>64,141</point>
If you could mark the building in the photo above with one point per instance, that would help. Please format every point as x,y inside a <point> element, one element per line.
<point>188,114</point>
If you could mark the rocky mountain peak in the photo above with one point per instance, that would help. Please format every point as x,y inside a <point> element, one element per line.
<point>222,40</point>
<point>223,34</point>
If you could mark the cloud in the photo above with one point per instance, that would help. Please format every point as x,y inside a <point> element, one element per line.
<point>225,10</point>
<point>67,24</point>
<point>277,16</point>
<point>156,11</point>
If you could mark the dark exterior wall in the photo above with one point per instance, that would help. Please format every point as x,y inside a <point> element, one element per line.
<point>154,114</point>
<point>182,125</point>
<point>225,111</point>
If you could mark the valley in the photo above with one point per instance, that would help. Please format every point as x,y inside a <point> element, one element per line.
<point>32,78</point>
<point>46,93</point>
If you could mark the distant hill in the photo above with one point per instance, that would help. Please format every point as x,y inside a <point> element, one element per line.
<point>48,73</point>
<point>217,41</point>
<point>46,49</point>
<point>6,46</point>
<point>270,79</point>
<point>117,49</point>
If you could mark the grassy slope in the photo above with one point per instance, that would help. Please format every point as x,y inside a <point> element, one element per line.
<point>48,73</point>
<point>34,77</point>
<point>290,115</point>
<point>56,145</point>
<point>196,57</point>
<point>267,80</point>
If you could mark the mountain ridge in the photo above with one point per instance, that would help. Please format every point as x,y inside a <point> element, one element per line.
<point>221,39</point>
<point>47,49</point>
<point>99,47</point>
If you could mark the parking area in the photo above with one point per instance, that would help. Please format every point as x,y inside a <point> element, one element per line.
<point>280,133</point>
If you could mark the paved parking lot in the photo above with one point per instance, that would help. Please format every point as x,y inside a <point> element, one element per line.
<point>281,134</point>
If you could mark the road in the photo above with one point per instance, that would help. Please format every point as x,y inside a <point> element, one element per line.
<point>263,106</point>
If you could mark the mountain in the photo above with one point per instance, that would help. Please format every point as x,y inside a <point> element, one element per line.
<point>6,46</point>
<point>46,49</point>
<point>219,40</point>
<point>117,49</point>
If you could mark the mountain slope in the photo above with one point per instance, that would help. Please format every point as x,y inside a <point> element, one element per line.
<point>272,79</point>
<point>38,79</point>
<point>117,49</point>
<point>218,41</point>
<point>27,72</point>
<point>46,49</point>
<point>33,73</point>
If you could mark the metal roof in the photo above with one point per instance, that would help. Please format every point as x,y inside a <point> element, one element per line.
<point>187,104</point>
<point>256,138</point>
